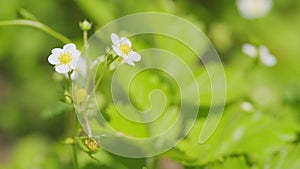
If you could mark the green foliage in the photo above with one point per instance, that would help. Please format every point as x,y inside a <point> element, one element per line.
<point>33,122</point>
<point>239,163</point>
<point>258,135</point>
<point>286,158</point>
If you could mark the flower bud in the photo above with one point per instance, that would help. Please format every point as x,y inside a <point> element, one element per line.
<point>91,144</point>
<point>85,25</point>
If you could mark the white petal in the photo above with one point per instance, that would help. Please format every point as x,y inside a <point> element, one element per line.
<point>129,61</point>
<point>135,56</point>
<point>82,67</point>
<point>70,47</point>
<point>126,41</point>
<point>74,61</point>
<point>53,59</point>
<point>57,51</point>
<point>62,68</point>
<point>117,50</point>
<point>263,50</point>
<point>75,53</point>
<point>268,60</point>
<point>249,50</point>
<point>114,38</point>
<point>74,75</point>
<point>266,57</point>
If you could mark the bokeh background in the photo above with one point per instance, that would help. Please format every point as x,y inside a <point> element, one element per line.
<point>263,101</point>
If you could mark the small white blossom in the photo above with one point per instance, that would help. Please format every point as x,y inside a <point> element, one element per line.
<point>64,59</point>
<point>122,47</point>
<point>266,57</point>
<point>251,9</point>
<point>249,50</point>
<point>247,106</point>
<point>262,52</point>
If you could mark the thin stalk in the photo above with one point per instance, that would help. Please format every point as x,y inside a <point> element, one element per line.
<point>100,77</point>
<point>38,25</point>
<point>85,42</point>
<point>75,159</point>
<point>106,65</point>
<point>85,37</point>
<point>74,127</point>
<point>116,57</point>
<point>150,163</point>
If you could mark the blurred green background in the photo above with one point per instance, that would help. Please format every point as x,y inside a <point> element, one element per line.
<point>33,123</point>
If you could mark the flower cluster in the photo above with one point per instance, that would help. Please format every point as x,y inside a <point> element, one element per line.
<point>68,59</point>
<point>262,52</point>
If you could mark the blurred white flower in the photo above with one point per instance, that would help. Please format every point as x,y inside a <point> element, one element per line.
<point>251,9</point>
<point>247,106</point>
<point>249,50</point>
<point>64,59</point>
<point>262,52</point>
<point>122,47</point>
<point>266,57</point>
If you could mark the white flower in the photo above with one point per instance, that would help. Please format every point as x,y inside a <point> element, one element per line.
<point>266,57</point>
<point>249,50</point>
<point>251,9</point>
<point>122,47</point>
<point>263,52</point>
<point>81,69</point>
<point>247,106</point>
<point>64,59</point>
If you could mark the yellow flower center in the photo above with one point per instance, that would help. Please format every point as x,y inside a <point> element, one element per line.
<point>65,58</point>
<point>125,48</point>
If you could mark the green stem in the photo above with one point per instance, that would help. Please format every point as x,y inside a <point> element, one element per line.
<point>74,127</point>
<point>150,163</point>
<point>116,57</point>
<point>106,65</point>
<point>75,159</point>
<point>76,166</point>
<point>37,25</point>
<point>100,77</point>
<point>85,37</point>
<point>70,80</point>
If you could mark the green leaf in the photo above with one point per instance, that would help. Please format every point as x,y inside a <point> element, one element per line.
<point>123,125</point>
<point>256,134</point>
<point>233,162</point>
<point>286,158</point>
<point>56,109</point>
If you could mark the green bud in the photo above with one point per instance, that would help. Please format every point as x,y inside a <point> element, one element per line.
<point>68,98</point>
<point>91,144</point>
<point>85,25</point>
